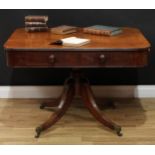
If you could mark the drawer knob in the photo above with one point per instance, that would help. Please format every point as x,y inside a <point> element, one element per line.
<point>102,58</point>
<point>52,58</point>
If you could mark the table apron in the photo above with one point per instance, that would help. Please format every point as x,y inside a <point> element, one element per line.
<point>64,59</point>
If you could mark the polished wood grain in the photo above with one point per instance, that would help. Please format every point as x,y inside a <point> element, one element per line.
<point>90,102</point>
<point>76,85</point>
<point>32,50</point>
<point>20,116</point>
<point>45,59</point>
<point>130,39</point>
<point>64,103</point>
<point>129,49</point>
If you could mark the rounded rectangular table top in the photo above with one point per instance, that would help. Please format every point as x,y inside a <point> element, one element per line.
<point>130,39</point>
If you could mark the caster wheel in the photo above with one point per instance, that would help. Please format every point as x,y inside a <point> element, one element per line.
<point>119,134</point>
<point>118,131</point>
<point>111,105</point>
<point>42,106</point>
<point>38,131</point>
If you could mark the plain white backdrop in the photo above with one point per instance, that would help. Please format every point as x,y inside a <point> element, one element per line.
<point>77,4</point>
<point>77,150</point>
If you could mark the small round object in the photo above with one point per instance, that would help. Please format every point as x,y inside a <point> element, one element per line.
<point>52,58</point>
<point>118,130</point>
<point>102,58</point>
<point>119,134</point>
<point>38,131</point>
<point>111,104</point>
<point>42,106</point>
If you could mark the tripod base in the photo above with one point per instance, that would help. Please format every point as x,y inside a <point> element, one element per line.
<point>77,84</point>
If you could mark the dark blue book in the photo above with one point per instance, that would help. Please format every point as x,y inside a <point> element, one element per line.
<point>103,30</point>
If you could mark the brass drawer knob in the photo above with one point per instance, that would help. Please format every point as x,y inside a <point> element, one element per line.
<point>102,58</point>
<point>52,58</point>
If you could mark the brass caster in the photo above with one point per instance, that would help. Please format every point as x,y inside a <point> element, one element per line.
<point>111,105</point>
<point>38,132</point>
<point>118,130</point>
<point>42,106</point>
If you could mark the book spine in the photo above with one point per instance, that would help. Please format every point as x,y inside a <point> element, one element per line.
<point>97,32</point>
<point>35,24</point>
<point>61,31</point>
<point>36,29</point>
<point>36,18</point>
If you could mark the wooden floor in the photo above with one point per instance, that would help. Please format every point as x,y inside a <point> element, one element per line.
<point>19,117</point>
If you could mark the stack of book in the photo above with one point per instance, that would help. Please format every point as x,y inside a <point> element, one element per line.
<point>102,30</point>
<point>36,23</point>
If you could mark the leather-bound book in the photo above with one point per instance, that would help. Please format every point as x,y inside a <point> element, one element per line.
<point>36,18</point>
<point>103,30</point>
<point>35,24</point>
<point>36,29</point>
<point>64,29</point>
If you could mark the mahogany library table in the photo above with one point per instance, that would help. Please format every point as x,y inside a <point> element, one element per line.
<point>33,50</point>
